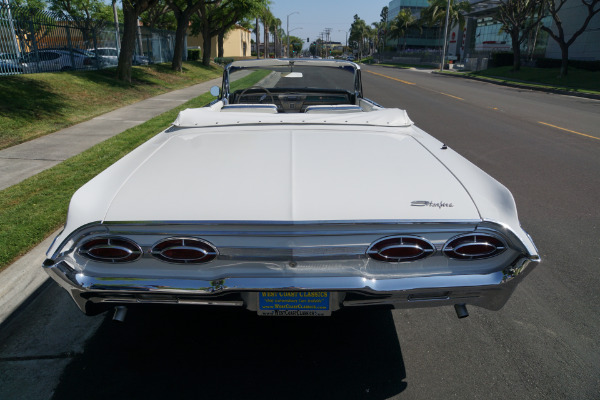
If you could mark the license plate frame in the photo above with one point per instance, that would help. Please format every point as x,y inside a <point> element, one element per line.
<point>294,303</point>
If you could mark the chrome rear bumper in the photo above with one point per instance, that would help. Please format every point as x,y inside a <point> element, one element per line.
<point>95,294</point>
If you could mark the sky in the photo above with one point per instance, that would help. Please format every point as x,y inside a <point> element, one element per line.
<point>316,15</point>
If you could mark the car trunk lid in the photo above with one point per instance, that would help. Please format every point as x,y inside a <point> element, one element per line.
<point>291,173</point>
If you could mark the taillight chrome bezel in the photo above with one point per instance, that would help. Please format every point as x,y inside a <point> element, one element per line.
<point>130,250</point>
<point>494,244</point>
<point>206,250</point>
<point>421,247</point>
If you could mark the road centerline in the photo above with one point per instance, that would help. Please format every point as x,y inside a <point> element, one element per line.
<point>454,97</point>
<point>568,130</point>
<point>389,77</point>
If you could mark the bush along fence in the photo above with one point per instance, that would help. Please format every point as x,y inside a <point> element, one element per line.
<point>33,41</point>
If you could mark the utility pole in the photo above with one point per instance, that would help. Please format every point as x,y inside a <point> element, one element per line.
<point>328,45</point>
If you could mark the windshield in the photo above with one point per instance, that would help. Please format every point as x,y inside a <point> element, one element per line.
<point>280,75</point>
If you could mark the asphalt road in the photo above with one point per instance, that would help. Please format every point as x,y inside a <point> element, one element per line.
<point>544,344</point>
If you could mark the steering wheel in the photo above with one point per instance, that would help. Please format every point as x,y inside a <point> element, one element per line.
<point>256,87</point>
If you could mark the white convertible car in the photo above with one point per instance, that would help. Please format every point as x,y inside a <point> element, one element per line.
<point>293,197</point>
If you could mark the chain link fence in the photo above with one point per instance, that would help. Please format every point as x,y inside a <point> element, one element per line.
<point>33,41</point>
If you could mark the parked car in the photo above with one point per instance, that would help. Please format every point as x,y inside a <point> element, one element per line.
<point>108,55</point>
<point>56,60</point>
<point>9,64</point>
<point>297,196</point>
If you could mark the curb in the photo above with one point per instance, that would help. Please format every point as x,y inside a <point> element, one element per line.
<point>521,86</point>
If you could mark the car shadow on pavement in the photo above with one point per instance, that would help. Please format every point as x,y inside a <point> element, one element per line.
<point>233,354</point>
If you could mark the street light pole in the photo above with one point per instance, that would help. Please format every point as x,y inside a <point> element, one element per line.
<point>288,33</point>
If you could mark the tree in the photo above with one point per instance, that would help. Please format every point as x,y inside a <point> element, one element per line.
<point>132,9</point>
<point>228,14</point>
<point>257,34</point>
<point>518,18</point>
<point>41,23</point>
<point>275,29</point>
<point>435,14</point>
<point>358,31</point>
<point>216,18</point>
<point>379,32</point>
<point>89,16</point>
<point>159,17</point>
<point>266,17</point>
<point>183,10</point>
<point>384,18</point>
<point>296,44</point>
<point>554,7</point>
<point>400,24</point>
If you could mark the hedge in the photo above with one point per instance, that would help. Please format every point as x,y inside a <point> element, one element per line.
<point>593,66</point>
<point>502,59</point>
<point>224,60</point>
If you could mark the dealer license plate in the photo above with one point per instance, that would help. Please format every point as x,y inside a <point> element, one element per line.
<point>295,304</point>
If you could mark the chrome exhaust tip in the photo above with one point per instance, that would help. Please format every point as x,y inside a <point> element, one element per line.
<point>120,313</point>
<point>461,310</point>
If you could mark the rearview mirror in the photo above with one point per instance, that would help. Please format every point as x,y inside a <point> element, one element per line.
<point>215,91</point>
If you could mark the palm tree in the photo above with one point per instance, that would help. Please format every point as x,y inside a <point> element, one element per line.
<point>274,28</point>
<point>266,18</point>
<point>358,31</point>
<point>379,28</point>
<point>435,14</point>
<point>400,25</point>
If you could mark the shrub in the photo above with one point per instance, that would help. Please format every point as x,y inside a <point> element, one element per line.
<point>502,59</point>
<point>193,54</point>
<point>224,60</point>
<point>593,66</point>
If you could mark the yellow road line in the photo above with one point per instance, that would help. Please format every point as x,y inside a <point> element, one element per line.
<point>568,130</point>
<point>389,77</point>
<point>449,95</point>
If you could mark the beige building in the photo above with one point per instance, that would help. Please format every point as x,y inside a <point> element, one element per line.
<point>236,43</point>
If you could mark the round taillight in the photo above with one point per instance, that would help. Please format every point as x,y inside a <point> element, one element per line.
<point>184,250</point>
<point>111,249</point>
<point>400,249</point>
<point>474,247</point>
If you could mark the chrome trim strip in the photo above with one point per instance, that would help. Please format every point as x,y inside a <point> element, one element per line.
<point>495,226</point>
<point>294,223</point>
<point>72,235</point>
<point>231,106</point>
<point>372,102</point>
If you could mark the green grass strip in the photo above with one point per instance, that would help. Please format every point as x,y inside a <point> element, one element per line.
<point>35,105</point>
<point>36,207</point>
<point>577,80</point>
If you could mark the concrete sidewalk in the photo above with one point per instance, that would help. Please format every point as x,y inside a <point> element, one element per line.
<point>22,278</point>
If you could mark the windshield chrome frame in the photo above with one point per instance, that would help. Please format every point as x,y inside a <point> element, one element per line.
<point>244,64</point>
